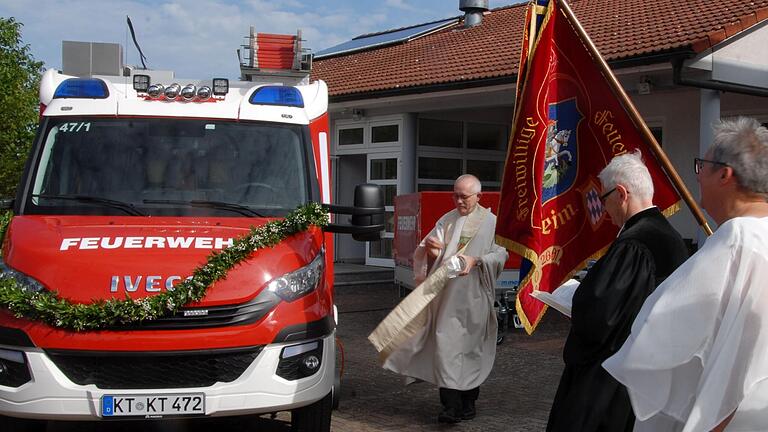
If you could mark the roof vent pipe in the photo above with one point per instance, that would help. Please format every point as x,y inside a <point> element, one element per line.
<point>473,11</point>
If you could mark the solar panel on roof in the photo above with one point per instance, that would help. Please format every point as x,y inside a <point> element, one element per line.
<point>386,38</point>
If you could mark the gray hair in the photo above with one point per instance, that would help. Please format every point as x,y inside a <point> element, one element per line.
<point>629,171</point>
<point>742,143</point>
<point>477,186</point>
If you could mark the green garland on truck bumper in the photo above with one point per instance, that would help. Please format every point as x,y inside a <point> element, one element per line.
<point>46,306</point>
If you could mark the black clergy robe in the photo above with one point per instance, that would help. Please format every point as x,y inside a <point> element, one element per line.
<point>588,399</point>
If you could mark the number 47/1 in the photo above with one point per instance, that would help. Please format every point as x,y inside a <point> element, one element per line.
<point>75,127</point>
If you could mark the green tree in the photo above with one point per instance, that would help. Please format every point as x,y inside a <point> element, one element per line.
<point>19,82</point>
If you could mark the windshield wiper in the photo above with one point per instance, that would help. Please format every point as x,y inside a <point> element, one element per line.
<point>238,208</point>
<point>124,206</point>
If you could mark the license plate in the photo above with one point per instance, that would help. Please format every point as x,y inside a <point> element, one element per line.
<point>149,406</point>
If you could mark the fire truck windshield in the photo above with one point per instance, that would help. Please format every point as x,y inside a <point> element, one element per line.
<point>169,167</point>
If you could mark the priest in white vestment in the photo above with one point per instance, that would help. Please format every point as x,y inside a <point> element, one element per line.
<point>444,332</point>
<point>697,356</point>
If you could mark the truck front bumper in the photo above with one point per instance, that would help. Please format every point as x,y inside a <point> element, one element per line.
<point>51,394</point>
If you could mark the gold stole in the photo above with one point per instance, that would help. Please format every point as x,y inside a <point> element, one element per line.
<point>410,315</point>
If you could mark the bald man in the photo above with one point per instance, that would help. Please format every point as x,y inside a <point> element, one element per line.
<point>454,343</point>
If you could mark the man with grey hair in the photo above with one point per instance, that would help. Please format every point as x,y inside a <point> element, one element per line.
<point>646,251</point>
<point>444,332</point>
<point>695,360</point>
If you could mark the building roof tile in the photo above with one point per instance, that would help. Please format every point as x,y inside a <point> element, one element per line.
<point>623,29</point>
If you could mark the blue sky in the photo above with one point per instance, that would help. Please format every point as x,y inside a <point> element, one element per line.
<point>199,38</point>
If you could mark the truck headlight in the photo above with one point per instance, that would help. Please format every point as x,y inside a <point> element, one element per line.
<point>25,281</point>
<point>301,282</point>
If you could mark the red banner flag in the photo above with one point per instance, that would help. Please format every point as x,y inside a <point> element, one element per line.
<point>568,125</point>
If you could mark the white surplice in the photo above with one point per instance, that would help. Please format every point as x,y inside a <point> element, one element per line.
<point>698,350</point>
<point>454,345</point>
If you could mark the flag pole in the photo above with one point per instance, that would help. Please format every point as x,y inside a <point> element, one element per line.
<point>532,31</point>
<point>637,119</point>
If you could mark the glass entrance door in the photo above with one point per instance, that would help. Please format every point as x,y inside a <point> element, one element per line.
<point>383,170</point>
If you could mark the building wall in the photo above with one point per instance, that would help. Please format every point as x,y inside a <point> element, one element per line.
<point>675,110</point>
<point>355,154</point>
<point>677,113</point>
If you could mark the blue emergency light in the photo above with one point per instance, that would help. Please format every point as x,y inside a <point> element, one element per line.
<point>82,88</point>
<point>277,95</point>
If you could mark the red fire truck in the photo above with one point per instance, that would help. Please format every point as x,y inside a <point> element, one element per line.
<point>130,185</point>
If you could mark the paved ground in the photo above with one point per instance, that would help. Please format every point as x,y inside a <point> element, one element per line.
<point>516,397</point>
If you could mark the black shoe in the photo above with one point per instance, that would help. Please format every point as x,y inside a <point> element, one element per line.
<point>468,411</point>
<point>448,416</point>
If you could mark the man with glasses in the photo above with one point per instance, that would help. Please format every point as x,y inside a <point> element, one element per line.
<point>696,358</point>
<point>451,342</point>
<point>645,252</point>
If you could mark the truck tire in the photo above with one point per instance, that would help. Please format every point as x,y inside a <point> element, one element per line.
<point>313,418</point>
<point>338,371</point>
<point>336,391</point>
<point>21,425</point>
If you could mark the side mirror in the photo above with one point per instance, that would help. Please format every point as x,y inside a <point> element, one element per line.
<point>6,203</point>
<point>368,196</point>
<point>367,221</point>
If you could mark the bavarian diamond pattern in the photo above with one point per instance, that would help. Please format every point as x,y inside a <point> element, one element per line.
<point>594,206</point>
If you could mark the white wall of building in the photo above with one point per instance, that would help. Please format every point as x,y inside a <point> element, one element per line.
<point>675,109</point>
<point>678,112</point>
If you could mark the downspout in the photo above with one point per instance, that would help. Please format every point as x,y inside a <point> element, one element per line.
<point>679,79</point>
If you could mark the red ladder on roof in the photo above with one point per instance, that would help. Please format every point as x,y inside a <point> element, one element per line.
<point>274,51</point>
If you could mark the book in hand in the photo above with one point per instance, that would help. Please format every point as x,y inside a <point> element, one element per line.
<point>561,298</point>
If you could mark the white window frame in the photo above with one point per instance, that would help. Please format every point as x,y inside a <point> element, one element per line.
<point>349,148</point>
<point>368,146</point>
<point>383,123</point>
<point>385,150</point>
<point>462,153</point>
<point>383,262</point>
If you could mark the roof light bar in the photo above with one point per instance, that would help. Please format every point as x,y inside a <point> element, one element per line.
<point>188,92</point>
<point>204,92</point>
<point>141,83</point>
<point>172,91</point>
<point>82,88</point>
<point>155,90</point>
<point>277,95</point>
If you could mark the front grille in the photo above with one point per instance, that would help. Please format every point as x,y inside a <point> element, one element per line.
<point>152,370</point>
<point>215,316</point>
